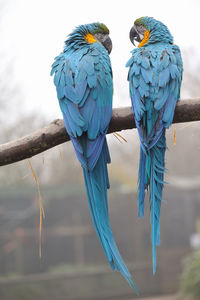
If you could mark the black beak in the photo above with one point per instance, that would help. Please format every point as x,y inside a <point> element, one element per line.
<point>107,43</point>
<point>134,36</point>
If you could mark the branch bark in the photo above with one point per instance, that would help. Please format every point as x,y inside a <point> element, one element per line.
<point>54,133</point>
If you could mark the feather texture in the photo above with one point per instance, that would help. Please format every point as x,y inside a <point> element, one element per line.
<point>155,74</point>
<point>83,79</point>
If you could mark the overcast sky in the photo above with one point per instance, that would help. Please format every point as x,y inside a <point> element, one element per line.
<point>33,32</point>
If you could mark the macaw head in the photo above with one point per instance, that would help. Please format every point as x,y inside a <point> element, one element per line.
<point>89,34</point>
<point>148,30</point>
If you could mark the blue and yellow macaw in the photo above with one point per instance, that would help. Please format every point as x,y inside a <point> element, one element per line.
<point>83,79</point>
<point>155,76</point>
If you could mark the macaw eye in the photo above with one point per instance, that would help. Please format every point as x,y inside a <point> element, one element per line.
<point>99,36</point>
<point>141,29</point>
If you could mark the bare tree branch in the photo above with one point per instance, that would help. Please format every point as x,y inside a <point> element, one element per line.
<point>54,133</point>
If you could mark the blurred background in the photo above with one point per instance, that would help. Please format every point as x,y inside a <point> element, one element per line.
<point>73,265</point>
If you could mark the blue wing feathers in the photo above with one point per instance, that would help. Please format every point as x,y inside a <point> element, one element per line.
<point>79,151</point>
<point>173,71</point>
<point>147,75</point>
<point>75,114</point>
<point>163,94</point>
<point>165,61</point>
<point>94,151</point>
<point>145,62</point>
<point>75,94</point>
<point>169,110</point>
<point>155,75</point>
<point>164,77</point>
<point>92,80</point>
<point>83,80</point>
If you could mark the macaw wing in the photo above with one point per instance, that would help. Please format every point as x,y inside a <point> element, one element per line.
<point>155,78</point>
<point>84,89</point>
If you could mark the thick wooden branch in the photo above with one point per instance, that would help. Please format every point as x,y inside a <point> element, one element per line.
<point>55,133</point>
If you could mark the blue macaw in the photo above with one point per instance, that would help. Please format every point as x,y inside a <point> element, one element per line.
<point>83,80</point>
<point>155,76</point>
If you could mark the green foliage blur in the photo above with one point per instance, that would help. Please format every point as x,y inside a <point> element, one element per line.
<point>190,280</point>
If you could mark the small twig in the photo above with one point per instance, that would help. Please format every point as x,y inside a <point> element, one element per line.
<point>42,215</point>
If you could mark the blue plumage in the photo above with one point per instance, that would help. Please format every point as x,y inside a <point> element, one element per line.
<point>83,79</point>
<point>155,74</point>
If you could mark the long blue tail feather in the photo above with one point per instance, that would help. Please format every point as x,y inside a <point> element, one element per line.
<point>151,174</point>
<point>157,154</point>
<point>141,183</point>
<point>96,181</point>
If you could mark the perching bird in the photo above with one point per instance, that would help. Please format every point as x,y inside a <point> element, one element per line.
<point>83,79</point>
<point>155,76</point>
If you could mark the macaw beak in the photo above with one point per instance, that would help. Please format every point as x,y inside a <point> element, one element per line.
<point>107,43</point>
<point>105,40</point>
<point>134,36</point>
